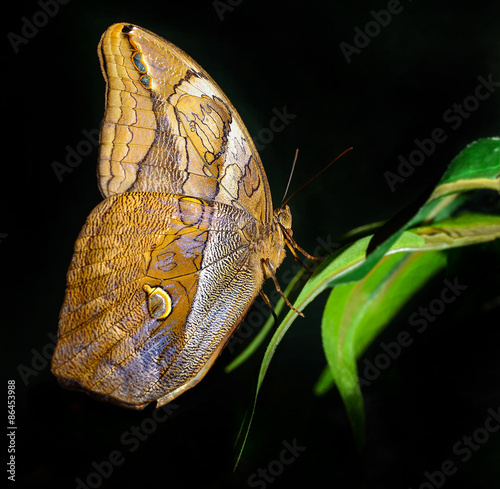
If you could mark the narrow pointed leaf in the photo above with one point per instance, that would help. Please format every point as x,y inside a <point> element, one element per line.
<point>356,313</point>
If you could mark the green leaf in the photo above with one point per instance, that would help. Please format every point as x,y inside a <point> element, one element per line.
<point>356,313</point>
<point>463,230</point>
<point>477,166</point>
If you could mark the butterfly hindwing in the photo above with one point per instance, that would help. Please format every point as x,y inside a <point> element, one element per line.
<point>141,247</point>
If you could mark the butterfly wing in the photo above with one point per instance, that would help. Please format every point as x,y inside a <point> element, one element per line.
<point>156,286</point>
<point>168,264</point>
<point>169,128</point>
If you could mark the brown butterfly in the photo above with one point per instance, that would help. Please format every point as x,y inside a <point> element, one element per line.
<point>166,267</point>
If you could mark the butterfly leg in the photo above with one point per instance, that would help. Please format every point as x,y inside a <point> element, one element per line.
<point>268,303</point>
<point>268,265</point>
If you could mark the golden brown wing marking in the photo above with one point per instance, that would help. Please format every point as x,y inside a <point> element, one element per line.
<point>208,122</point>
<point>196,133</point>
<point>241,164</point>
<point>153,343</point>
<point>106,320</point>
<point>181,253</point>
<point>129,124</point>
<point>199,139</point>
<point>105,338</point>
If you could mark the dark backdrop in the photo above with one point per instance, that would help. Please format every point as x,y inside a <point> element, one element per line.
<point>394,87</point>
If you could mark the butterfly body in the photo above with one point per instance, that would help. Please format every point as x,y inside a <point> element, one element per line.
<point>166,267</point>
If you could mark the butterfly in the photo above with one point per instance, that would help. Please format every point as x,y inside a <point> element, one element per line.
<point>167,265</point>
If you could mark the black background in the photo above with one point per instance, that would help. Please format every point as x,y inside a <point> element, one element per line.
<point>265,56</point>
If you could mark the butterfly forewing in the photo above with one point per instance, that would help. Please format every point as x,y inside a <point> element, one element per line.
<point>176,132</point>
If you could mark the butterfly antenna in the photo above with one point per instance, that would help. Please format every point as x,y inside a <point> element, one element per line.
<point>314,177</point>
<point>291,175</point>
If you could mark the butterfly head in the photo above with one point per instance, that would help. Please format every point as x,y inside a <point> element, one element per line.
<point>283,218</point>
